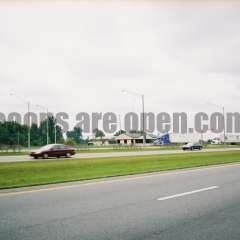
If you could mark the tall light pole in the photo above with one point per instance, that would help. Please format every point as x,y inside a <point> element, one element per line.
<point>29,127</point>
<point>224,119</point>
<point>28,110</point>
<point>55,131</point>
<point>143,111</point>
<point>224,126</point>
<point>202,137</point>
<point>119,121</point>
<point>46,109</point>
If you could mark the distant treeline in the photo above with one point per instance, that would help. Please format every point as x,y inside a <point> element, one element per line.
<point>13,133</point>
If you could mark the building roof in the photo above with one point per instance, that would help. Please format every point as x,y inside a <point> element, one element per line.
<point>134,136</point>
<point>102,138</point>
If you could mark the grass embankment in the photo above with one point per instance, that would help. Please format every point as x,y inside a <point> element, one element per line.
<point>44,172</point>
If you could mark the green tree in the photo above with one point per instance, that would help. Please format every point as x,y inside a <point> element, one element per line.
<point>76,135</point>
<point>119,133</point>
<point>70,142</point>
<point>51,131</point>
<point>98,133</point>
<point>13,133</point>
<point>35,135</point>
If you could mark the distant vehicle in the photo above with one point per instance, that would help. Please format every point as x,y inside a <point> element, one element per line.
<point>216,141</point>
<point>53,150</point>
<point>192,146</point>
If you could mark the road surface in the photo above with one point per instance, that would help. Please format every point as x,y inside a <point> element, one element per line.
<point>194,204</point>
<point>112,154</point>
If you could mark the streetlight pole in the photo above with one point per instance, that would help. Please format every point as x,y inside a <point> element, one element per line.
<point>47,124</point>
<point>202,137</point>
<point>29,123</point>
<point>224,120</point>
<point>224,126</point>
<point>47,129</point>
<point>143,120</point>
<point>119,119</point>
<point>55,132</point>
<point>143,111</point>
<point>29,128</point>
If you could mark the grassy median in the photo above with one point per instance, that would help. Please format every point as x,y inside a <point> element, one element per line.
<point>56,171</point>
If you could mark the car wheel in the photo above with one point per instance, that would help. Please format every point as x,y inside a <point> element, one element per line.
<point>68,155</point>
<point>35,157</point>
<point>45,155</point>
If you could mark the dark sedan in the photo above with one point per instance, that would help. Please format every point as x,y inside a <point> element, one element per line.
<point>53,150</point>
<point>192,146</point>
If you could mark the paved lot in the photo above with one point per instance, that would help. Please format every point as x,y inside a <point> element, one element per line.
<point>184,205</point>
<point>113,154</point>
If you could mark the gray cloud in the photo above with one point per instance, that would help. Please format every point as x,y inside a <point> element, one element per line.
<point>78,56</point>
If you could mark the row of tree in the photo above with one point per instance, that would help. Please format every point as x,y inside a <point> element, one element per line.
<point>15,134</point>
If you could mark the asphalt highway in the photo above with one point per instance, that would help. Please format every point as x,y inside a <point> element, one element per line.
<point>111,154</point>
<point>194,204</point>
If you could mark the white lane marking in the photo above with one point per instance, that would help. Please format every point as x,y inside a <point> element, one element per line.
<point>187,193</point>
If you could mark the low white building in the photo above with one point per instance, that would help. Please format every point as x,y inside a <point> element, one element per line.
<point>184,138</point>
<point>134,138</point>
<point>231,138</point>
<point>107,140</point>
<point>123,139</point>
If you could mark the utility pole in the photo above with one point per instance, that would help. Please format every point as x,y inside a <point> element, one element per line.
<point>143,111</point>
<point>55,132</point>
<point>47,120</point>
<point>47,129</point>
<point>29,128</point>
<point>143,120</point>
<point>28,112</point>
<point>224,126</point>
<point>224,119</point>
<point>120,124</point>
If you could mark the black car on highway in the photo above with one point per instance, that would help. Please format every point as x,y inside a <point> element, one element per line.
<point>53,150</point>
<point>192,146</point>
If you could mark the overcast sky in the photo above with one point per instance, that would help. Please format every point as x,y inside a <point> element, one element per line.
<point>78,56</point>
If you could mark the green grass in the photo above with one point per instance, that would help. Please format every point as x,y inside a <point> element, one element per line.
<point>127,149</point>
<point>13,153</point>
<point>151,148</point>
<point>56,171</point>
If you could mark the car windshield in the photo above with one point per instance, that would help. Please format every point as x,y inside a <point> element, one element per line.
<point>45,148</point>
<point>196,143</point>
